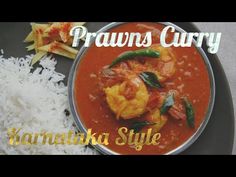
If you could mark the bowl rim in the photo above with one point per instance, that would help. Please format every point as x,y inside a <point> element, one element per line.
<point>105,150</point>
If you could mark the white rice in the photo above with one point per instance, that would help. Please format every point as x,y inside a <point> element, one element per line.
<point>34,101</point>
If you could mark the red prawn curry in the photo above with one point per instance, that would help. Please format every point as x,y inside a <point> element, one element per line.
<point>166,89</point>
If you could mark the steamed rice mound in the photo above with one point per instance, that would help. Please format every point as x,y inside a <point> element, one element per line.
<point>34,101</point>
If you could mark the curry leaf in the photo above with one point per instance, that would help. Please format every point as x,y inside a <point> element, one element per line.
<point>137,126</point>
<point>150,79</point>
<point>167,104</point>
<point>189,113</point>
